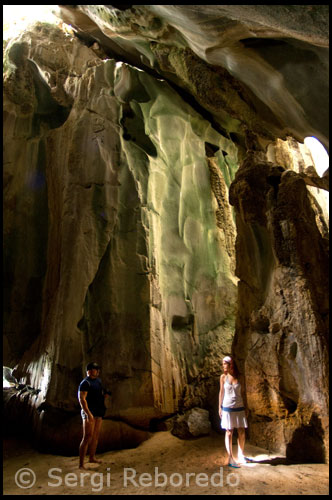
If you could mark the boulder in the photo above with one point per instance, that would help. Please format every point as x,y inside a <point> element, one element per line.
<point>193,423</point>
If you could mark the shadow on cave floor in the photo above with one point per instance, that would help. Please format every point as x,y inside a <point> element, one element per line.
<point>274,461</point>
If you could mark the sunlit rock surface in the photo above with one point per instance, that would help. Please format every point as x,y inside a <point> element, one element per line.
<point>275,57</point>
<point>123,146</point>
<point>113,248</point>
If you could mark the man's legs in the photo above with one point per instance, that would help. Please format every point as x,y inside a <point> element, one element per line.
<point>88,429</point>
<point>94,440</point>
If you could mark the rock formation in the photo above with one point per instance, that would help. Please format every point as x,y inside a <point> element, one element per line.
<point>193,423</point>
<point>281,330</point>
<point>123,261</point>
<point>151,162</point>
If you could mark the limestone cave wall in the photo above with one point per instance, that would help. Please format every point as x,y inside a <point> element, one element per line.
<point>159,212</point>
<point>282,322</point>
<point>113,249</point>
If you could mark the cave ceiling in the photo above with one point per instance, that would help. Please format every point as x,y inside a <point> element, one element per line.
<point>262,68</point>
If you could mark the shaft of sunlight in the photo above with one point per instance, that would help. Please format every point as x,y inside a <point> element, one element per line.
<point>16,18</point>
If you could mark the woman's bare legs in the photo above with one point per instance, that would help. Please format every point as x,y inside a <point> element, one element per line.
<point>240,443</point>
<point>228,444</point>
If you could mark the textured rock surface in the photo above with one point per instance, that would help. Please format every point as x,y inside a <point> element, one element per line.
<point>275,57</point>
<point>121,147</point>
<point>281,332</point>
<point>132,268</point>
<point>193,423</point>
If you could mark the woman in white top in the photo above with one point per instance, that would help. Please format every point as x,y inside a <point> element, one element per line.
<point>231,410</point>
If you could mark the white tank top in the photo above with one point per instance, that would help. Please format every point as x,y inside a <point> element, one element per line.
<point>232,395</point>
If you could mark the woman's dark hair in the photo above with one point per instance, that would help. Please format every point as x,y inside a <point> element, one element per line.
<point>236,370</point>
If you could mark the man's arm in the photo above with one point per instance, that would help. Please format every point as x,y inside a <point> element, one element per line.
<point>106,393</point>
<point>83,402</point>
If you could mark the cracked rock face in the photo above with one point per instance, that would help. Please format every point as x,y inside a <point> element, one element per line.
<point>160,213</point>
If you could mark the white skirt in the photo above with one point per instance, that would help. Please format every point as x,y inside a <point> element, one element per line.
<point>233,419</point>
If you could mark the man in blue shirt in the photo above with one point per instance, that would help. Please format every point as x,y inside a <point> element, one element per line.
<point>91,396</point>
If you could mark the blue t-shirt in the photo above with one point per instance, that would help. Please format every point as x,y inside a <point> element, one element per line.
<point>95,396</point>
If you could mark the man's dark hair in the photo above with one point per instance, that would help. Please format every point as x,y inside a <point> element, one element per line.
<point>92,366</point>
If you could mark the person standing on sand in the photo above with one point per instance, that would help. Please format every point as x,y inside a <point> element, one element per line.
<point>91,396</point>
<point>232,411</point>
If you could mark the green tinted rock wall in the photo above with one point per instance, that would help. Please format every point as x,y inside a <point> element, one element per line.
<point>134,269</point>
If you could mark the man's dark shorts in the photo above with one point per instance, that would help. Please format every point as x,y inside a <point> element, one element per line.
<point>85,416</point>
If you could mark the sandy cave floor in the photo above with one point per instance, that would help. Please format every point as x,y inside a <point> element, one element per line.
<point>163,465</point>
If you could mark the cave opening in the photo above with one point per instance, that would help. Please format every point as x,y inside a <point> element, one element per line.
<point>319,154</point>
<point>15,21</point>
<point>320,159</point>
